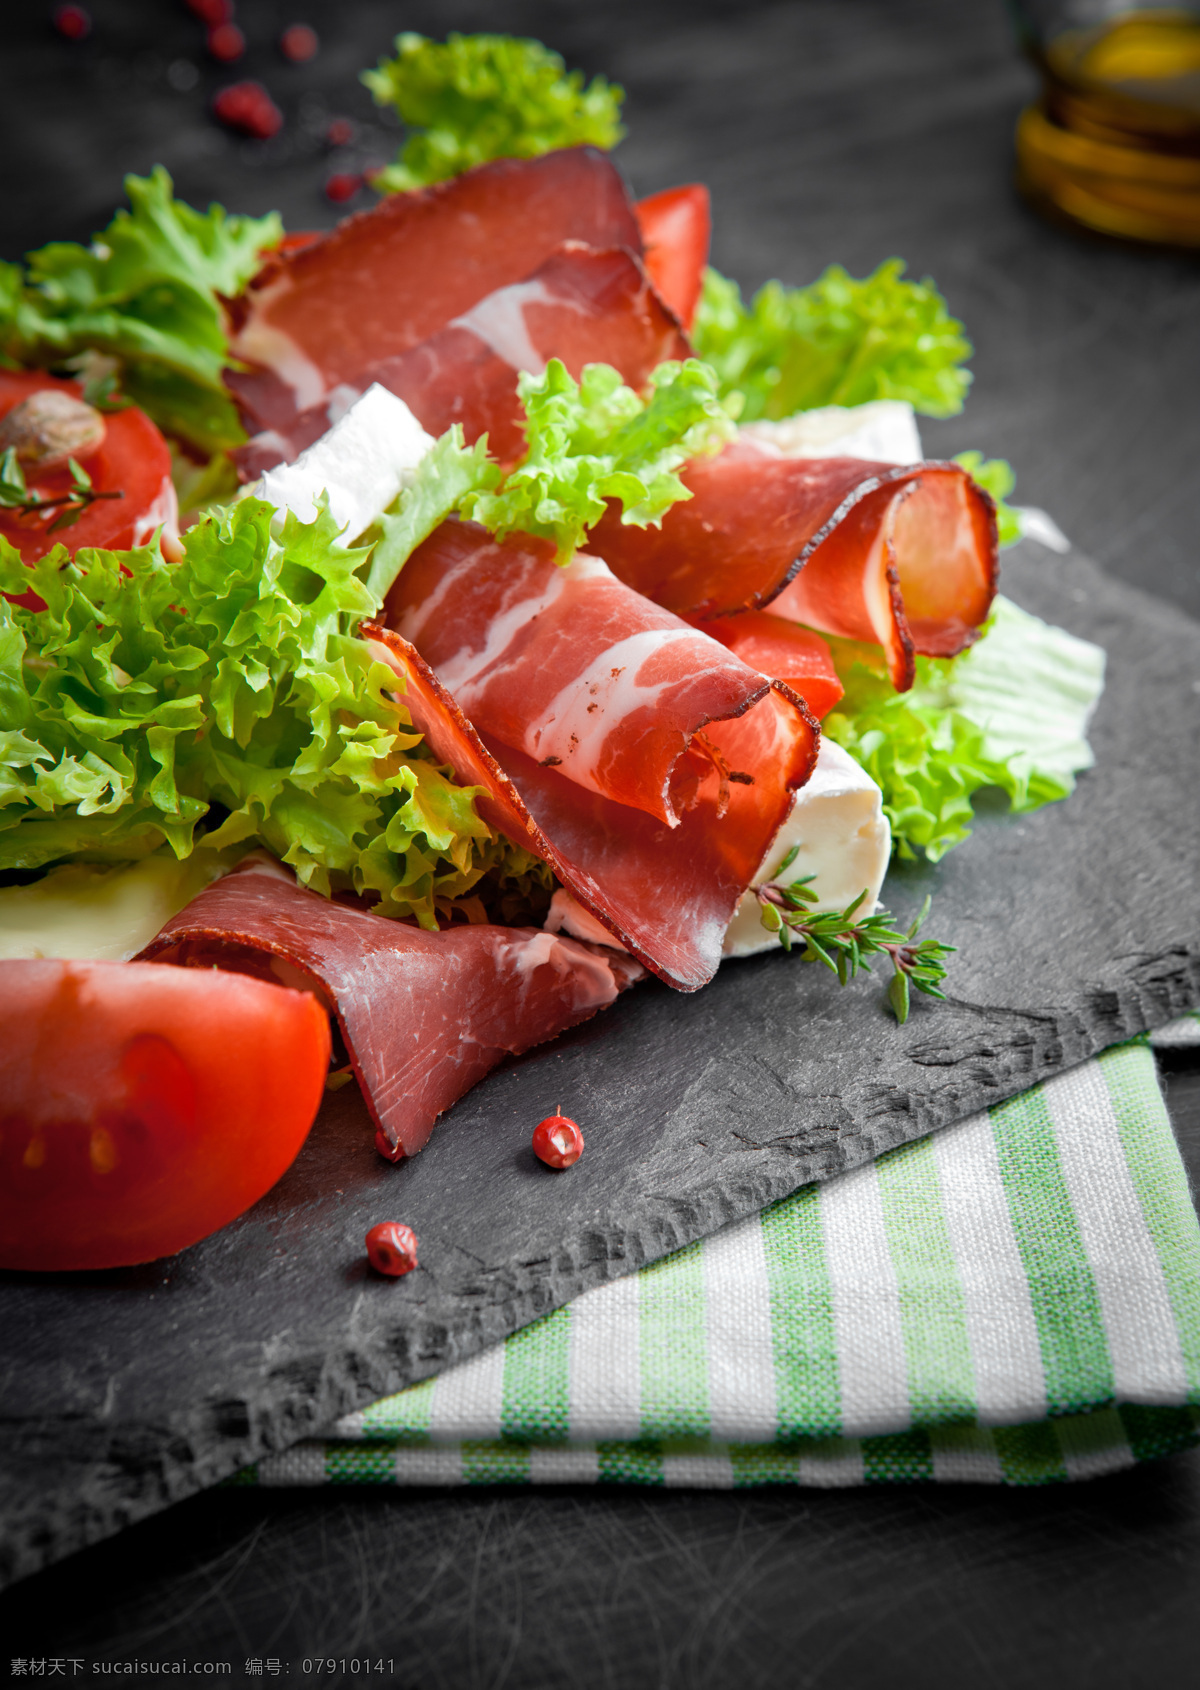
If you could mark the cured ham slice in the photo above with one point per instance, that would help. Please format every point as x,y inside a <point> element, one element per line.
<point>318,318</point>
<point>901,556</point>
<point>423,1015</point>
<point>654,830</point>
<point>582,306</point>
<point>786,652</point>
<point>570,667</point>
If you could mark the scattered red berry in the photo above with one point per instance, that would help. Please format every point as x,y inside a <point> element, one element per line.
<point>299,43</point>
<point>557,1141</point>
<point>385,1147</point>
<point>72,22</point>
<point>342,187</point>
<point>340,132</point>
<point>392,1248</point>
<point>226,43</point>
<point>212,12</point>
<point>247,107</point>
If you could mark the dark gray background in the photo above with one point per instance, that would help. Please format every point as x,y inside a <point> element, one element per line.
<point>837,131</point>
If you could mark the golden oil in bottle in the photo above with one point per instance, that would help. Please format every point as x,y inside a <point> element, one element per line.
<point>1114,142</point>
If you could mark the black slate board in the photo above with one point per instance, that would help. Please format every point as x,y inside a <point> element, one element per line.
<point>1077,926</point>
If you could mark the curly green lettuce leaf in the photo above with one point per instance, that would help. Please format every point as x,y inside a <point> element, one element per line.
<point>1011,713</point>
<point>838,341</point>
<point>147,699</point>
<point>479,97</point>
<point>146,293</point>
<point>596,439</point>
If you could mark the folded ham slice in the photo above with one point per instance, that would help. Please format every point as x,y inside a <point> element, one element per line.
<point>645,763</point>
<point>582,306</point>
<point>901,556</point>
<point>317,319</point>
<point>423,1015</point>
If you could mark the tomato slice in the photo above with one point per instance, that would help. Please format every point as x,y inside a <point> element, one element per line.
<point>676,226</point>
<point>783,650</point>
<point>144,1106</point>
<point>132,458</point>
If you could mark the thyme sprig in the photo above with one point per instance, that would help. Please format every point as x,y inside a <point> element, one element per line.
<point>842,939</point>
<point>15,494</point>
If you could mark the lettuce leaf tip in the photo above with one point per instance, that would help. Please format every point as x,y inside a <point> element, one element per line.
<point>838,341</point>
<point>478,97</point>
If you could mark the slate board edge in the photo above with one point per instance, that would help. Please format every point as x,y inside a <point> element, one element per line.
<point>148,1467</point>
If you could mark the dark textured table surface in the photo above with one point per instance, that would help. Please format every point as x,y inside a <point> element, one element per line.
<point>842,130</point>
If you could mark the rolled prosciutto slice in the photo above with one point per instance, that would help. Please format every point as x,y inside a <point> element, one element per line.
<point>423,1015</point>
<point>786,652</point>
<point>581,305</point>
<point>901,556</point>
<point>645,763</point>
<point>315,319</point>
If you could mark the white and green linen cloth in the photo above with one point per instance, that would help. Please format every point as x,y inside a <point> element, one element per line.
<point>1015,1299</point>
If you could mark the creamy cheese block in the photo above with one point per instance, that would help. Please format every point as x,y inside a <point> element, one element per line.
<point>844,840</point>
<point>362,463</point>
<point>94,913</point>
<point>884,431</point>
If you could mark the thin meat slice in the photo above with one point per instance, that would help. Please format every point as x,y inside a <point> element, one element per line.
<point>570,667</point>
<point>902,556</point>
<point>388,278</point>
<point>581,306</point>
<point>785,651</point>
<point>423,1015</point>
<point>668,894</point>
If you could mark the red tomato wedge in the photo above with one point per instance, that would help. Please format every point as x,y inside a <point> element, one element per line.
<point>783,651</point>
<point>133,458</point>
<point>144,1106</point>
<point>676,226</point>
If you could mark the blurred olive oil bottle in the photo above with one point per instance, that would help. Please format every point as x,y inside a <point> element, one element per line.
<point>1114,141</point>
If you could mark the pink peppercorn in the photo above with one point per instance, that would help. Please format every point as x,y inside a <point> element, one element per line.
<point>72,22</point>
<point>342,187</point>
<point>299,43</point>
<point>246,106</point>
<point>392,1248</point>
<point>226,43</point>
<point>557,1141</point>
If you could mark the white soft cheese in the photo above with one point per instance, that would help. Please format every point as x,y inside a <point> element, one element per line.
<point>883,431</point>
<point>844,841</point>
<point>98,914</point>
<point>362,463</point>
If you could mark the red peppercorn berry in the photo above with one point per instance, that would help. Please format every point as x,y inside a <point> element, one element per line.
<point>247,107</point>
<point>212,12</point>
<point>340,132</point>
<point>226,43</point>
<point>557,1141</point>
<point>72,22</point>
<point>299,43</point>
<point>342,187</point>
<point>392,1248</point>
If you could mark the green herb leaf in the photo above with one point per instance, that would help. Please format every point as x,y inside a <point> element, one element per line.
<point>837,341</point>
<point>479,97</point>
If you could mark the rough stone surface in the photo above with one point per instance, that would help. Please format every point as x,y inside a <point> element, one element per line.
<point>1076,927</point>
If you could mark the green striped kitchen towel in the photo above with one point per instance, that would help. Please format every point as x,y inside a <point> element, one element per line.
<point>1015,1299</point>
